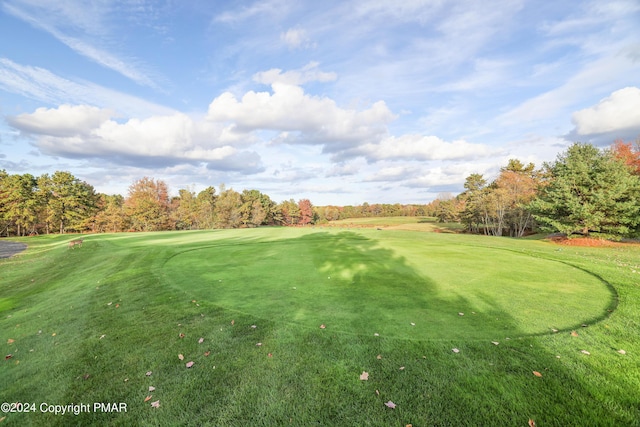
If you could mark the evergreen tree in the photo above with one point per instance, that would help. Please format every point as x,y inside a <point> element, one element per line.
<point>587,190</point>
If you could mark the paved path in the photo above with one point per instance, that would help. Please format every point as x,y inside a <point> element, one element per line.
<point>8,249</point>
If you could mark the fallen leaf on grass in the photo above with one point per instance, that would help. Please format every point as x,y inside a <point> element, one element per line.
<point>152,388</point>
<point>402,368</point>
<point>117,305</point>
<point>413,324</point>
<point>10,341</point>
<point>207,353</point>
<point>376,334</point>
<point>461,314</point>
<point>148,373</point>
<point>8,356</point>
<point>155,404</point>
<point>102,336</point>
<point>53,334</point>
<point>109,303</point>
<point>622,351</point>
<point>259,344</point>
<point>364,376</point>
<point>537,374</point>
<point>532,423</point>
<point>269,355</point>
<point>322,326</point>
<point>181,335</point>
<point>148,398</point>
<point>495,342</point>
<point>201,340</point>
<point>86,376</point>
<point>574,334</point>
<point>379,357</point>
<point>455,350</point>
<point>585,352</point>
<point>554,330</point>
<point>233,322</point>
<point>189,364</point>
<point>181,357</point>
<point>390,404</point>
<point>253,326</point>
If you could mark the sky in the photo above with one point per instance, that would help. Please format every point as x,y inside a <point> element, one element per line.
<point>340,101</point>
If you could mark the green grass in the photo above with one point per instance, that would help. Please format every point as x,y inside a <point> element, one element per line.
<point>141,291</point>
<point>409,223</point>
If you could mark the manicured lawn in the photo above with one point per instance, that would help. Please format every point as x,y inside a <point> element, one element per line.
<point>85,325</point>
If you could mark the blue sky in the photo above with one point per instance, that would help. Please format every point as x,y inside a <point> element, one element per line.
<point>340,102</point>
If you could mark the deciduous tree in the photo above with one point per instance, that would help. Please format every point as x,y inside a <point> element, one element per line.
<point>629,154</point>
<point>306,212</point>
<point>69,202</point>
<point>147,205</point>
<point>228,209</point>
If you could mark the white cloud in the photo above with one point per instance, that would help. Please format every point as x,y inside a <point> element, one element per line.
<point>296,38</point>
<point>308,73</point>
<point>88,132</point>
<point>394,173</point>
<point>595,75</point>
<point>451,176</point>
<point>65,121</point>
<point>618,112</point>
<point>260,7</point>
<point>420,147</point>
<point>43,85</point>
<point>318,120</point>
<point>59,20</point>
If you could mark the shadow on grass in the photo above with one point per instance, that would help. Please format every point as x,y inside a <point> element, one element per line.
<point>344,280</point>
<point>312,376</point>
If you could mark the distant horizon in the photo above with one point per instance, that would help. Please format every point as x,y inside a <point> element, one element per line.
<point>341,103</point>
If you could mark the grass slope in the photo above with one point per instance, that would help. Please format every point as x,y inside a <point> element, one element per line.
<point>85,325</point>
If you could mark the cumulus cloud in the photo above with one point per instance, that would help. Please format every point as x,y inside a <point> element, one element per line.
<point>89,132</point>
<point>65,121</point>
<point>617,115</point>
<point>303,118</point>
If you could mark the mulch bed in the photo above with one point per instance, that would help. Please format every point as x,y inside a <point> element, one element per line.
<point>9,249</point>
<point>589,242</point>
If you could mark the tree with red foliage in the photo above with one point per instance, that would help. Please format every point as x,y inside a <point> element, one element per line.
<point>306,212</point>
<point>628,153</point>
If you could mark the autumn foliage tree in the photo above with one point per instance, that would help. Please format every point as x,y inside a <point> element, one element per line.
<point>111,216</point>
<point>306,212</point>
<point>147,205</point>
<point>628,153</point>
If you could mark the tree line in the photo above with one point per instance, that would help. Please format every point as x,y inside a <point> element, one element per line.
<point>62,203</point>
<point>584,191</point>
